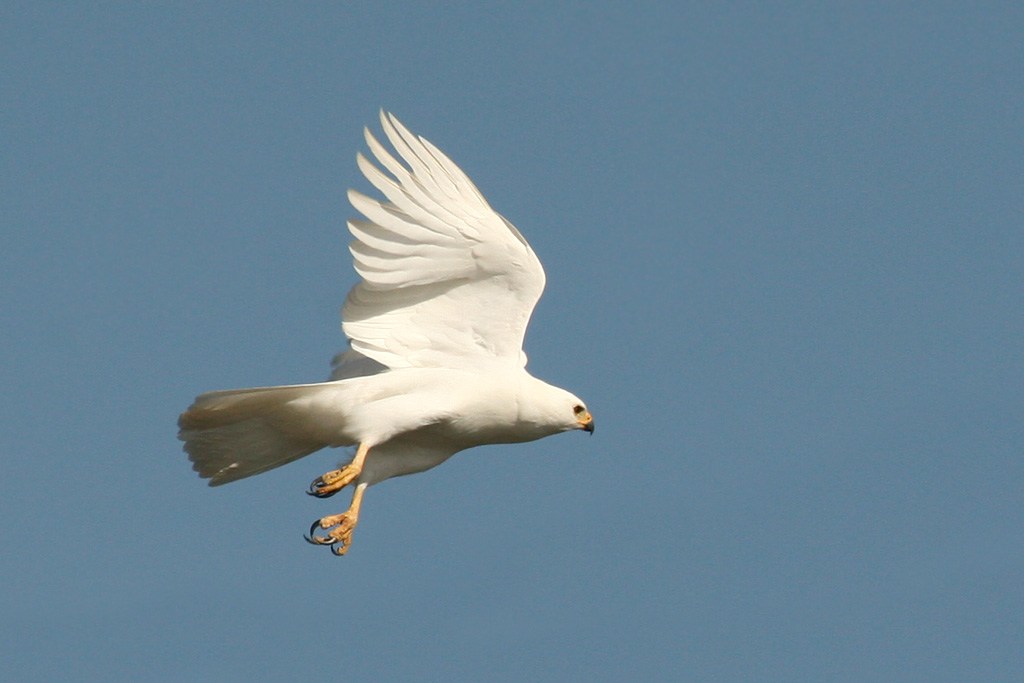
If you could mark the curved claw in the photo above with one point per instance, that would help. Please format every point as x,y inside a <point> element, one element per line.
<point>316,489</point>
<point>312,537</point>
<point>338,547</point>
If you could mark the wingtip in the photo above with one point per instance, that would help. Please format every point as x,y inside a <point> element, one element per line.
<point>396,130</point>
<point>355,196</point>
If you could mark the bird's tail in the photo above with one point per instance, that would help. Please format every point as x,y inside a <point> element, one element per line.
<point>230,435</point>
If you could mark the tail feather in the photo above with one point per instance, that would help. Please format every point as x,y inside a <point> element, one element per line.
<point>230,435</point>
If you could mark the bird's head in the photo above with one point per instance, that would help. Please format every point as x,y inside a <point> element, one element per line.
<point>555,408</point>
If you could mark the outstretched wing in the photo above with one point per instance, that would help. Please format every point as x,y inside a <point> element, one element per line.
<point>446,281</point>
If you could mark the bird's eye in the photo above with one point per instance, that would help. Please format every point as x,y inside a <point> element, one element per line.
<point>579,410</point>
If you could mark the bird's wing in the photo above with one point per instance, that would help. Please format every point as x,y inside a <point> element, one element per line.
<point>446,281</point>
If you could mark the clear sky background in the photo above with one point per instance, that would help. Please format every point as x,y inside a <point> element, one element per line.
<point>784,246</point>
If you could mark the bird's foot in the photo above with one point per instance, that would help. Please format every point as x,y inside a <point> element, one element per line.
<point>337,531</point>
<point>331,482</point>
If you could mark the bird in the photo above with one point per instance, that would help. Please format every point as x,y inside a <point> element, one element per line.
<point>435,362</point>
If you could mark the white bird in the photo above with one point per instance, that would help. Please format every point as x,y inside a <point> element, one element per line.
<point>436,327</point>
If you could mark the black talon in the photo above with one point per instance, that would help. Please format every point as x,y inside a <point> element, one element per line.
<point>316,485</point>
<point>312,537</point>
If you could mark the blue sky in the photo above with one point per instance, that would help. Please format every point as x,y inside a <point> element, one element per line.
<point>784,253</point>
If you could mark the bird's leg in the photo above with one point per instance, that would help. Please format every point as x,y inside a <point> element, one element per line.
<point>331,482</point>
<point>338,528</point>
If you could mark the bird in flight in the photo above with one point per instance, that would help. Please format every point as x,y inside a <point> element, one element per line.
<point>435,364</point>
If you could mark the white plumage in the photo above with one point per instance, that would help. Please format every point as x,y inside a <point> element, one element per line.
<point>436,326</point>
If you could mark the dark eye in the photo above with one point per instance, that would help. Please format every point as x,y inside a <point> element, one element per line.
<point>579,410</point>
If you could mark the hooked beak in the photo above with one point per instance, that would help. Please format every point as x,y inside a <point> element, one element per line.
<point>586,422</point>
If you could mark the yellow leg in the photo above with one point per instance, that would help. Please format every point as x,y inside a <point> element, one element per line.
<point>339,528</point>
<point>335,480</point>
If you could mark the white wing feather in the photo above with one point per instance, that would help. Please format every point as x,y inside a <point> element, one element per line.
<point>446,281</point>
